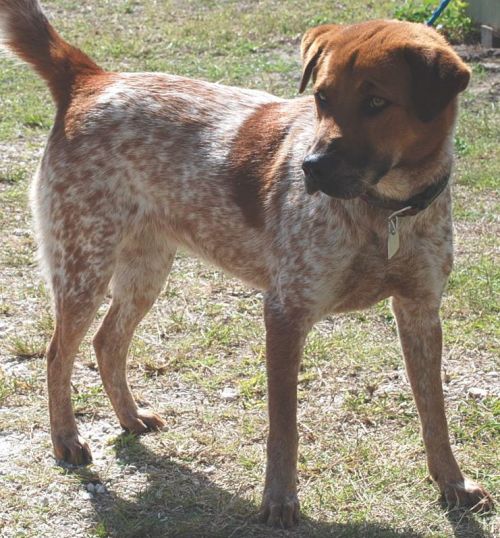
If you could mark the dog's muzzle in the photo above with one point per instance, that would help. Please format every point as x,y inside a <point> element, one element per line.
<point>331,175</point>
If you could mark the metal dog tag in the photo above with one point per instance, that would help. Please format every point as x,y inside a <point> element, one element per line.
<point>392,236</point>
<point>393,232</point>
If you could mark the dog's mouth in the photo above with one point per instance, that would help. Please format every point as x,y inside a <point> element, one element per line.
<point>339,178</point>
<point>346,187</point>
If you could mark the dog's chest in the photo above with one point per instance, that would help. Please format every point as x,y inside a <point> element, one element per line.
<point>364,276</point>
<point>360,279</point>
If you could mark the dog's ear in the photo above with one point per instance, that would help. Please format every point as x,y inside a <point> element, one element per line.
<point>311,48</point>
<point>438,75</point>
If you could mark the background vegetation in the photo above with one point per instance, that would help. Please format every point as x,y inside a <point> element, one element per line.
<point>454,22</point>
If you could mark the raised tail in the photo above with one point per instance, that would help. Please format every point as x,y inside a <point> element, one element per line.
<point>26,32</point>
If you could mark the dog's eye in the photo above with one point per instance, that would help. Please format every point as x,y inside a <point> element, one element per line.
<point>320,98</point>
<point>375,104</point>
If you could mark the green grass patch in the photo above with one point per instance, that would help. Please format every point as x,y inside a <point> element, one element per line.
<point>26,347</point>
<point>472,303</point>
<point>454,22</point>
<point>477,421</point>
<point>86,400</point>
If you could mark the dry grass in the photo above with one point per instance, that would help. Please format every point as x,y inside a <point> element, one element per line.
<point>362,465</point>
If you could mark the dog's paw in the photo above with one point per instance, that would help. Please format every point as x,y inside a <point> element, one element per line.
<point>71,450</point>
<point>282,513</point>
<point>467,494</point>
<point>143,421</point>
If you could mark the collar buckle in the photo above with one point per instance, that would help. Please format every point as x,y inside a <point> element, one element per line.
<point>400,213</point>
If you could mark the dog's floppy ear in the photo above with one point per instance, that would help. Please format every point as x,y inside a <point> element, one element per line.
<point>311,48</point>
<point>438,75</point>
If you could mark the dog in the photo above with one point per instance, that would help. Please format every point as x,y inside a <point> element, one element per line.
<point>328,203</point>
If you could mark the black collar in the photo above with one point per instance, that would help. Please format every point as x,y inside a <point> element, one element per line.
<point>410,206</point>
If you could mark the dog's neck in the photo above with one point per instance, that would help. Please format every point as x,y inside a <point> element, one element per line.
<point>423,183</point>
<point>413,205</point>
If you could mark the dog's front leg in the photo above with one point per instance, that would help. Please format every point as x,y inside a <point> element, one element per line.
<point>420,333</point>
<point>285,334</point>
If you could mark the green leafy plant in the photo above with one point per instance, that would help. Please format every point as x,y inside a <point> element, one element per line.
<point>454,22</point>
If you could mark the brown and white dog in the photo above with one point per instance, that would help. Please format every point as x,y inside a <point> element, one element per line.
<point>292,196</point>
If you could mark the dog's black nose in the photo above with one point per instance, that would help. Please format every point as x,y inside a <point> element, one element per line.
<point>314,171</point>
<point>312,165</point>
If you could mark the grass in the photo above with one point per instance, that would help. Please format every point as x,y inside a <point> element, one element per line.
<point>361,464</point>
<point>454,20</point>
<point>26,348</point>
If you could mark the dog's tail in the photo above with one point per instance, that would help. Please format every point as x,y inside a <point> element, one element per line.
<point>25,31</point>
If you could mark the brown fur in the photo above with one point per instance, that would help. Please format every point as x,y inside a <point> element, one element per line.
<point>258,158</point>
<point>254,163</point>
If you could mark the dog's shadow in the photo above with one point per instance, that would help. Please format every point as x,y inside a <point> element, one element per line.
<point>172,500</point>
<point>464,525</point>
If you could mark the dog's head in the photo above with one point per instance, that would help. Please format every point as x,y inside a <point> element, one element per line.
<point>385,94</point>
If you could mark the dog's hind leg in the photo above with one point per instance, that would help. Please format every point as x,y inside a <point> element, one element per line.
<point>79,276</point>
<point>420,333</point>
<point>142,268</point>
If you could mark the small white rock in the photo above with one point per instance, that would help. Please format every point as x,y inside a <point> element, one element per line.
<point>86,495</point>
<point>477,393</point>
<point>229,394</point>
